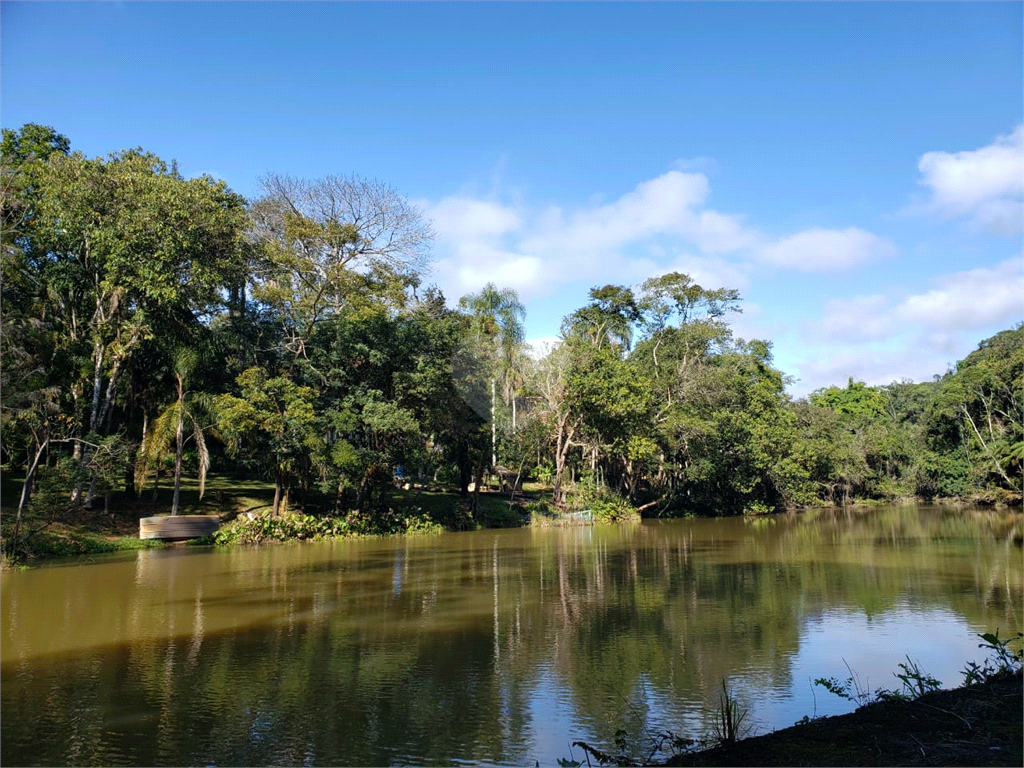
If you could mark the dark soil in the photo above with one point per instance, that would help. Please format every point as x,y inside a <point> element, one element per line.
<point>979,725</point>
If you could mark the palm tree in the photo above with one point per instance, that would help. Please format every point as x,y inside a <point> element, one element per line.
<point>498,316</point>
<point>171,424</point>
<point>607,320</point>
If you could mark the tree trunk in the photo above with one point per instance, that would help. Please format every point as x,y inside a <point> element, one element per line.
<point>277,491</point>
<point>984,446</point>
<point>478,481</point>
<point>564,440</point>
<point>465,472</point>
<point>179,443</point>
<point>108,399</point>
<point>97,385</point>
<point>29,476</point>
<point>494,430</point>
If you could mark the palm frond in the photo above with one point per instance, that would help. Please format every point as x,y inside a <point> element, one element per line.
<point>204,455</point>
<point>154,447</point>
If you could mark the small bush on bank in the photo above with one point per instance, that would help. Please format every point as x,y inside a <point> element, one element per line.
<point>258,529</point>
<point>613,511</point>
<point>599,511</point>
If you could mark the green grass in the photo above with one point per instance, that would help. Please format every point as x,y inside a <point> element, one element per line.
<point>112,524</point>
<point>223,495</point>
<point>65,542</point>
<point>450,510</point>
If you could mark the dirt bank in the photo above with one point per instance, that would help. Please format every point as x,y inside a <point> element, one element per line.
<point>979,725</point>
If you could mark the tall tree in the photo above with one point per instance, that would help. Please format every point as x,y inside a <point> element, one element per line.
<point>498,329</point>
<point>273,422</point>
<point>331,244</point>
<point>191,411</point>
<point>607,320</point>
<point>124,245</point>
<point>29,395</point>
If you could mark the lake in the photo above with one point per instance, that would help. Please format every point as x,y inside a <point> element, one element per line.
<point>489,647</point>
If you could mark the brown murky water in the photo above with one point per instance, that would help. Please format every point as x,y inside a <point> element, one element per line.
<point>494,647</point>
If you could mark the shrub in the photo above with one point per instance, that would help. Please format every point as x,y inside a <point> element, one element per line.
<point>256,529</point>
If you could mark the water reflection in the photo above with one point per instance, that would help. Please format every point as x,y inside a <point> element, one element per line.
<point>494,647</point>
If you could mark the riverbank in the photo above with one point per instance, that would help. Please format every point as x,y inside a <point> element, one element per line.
<point>244,509</point>
<point>244,506</point>
<point>980,725</point>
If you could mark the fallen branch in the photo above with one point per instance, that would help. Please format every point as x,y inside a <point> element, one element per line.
<point>650,504</point>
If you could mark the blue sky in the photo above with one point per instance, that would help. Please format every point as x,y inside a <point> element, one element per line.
<point>856,170</point>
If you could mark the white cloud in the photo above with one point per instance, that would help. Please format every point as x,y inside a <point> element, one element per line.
<point>826,250</point>
<point>669,205</point>
<point>881,338</point>
<point>874,367</point>
<point>962,302</point>
<point>506,270</point>
<point>459,219</point>
<point>661,225</point>
<point>985,185</point>
<point>967,300</point>
<point>624,241</point>
<point>862,318</point>
<point>654,207</point>
<point>538,348</point>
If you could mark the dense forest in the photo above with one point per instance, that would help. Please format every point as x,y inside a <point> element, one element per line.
<point>155,325</point>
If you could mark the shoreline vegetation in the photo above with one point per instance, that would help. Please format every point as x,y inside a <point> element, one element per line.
<point>248,520</point>
<point>163,334</point>
<point>245,509</point>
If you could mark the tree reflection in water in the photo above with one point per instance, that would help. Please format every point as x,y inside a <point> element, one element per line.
<point>493,647</point>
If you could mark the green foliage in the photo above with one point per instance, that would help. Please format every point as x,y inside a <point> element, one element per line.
<point>1004,659</point>
<point>50,498</point>
<point>729,718</point>
<point>978,409</point>
<point>328,367</point>
<point>916,683</point>
<point>291,526</point>
<point>53,544</point>
<point>257,529</point>
<point>272,423</point>
<point>857,400</point>
<point>851,689</point>
<point>538,509</point>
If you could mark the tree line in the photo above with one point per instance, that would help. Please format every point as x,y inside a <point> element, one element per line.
<point>155,326</point>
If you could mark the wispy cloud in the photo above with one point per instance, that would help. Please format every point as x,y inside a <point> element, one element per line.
<point>670,204</point>
<point>827,250</point>
<point>662,224</point>
<point>960,301</point>
<point>860,319</point>
<point>465,219</point>
<point>985,186</point>
<point>879,338</point>
<point>969,300</point>
<point>872,366</point>
<point>641,233</point>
